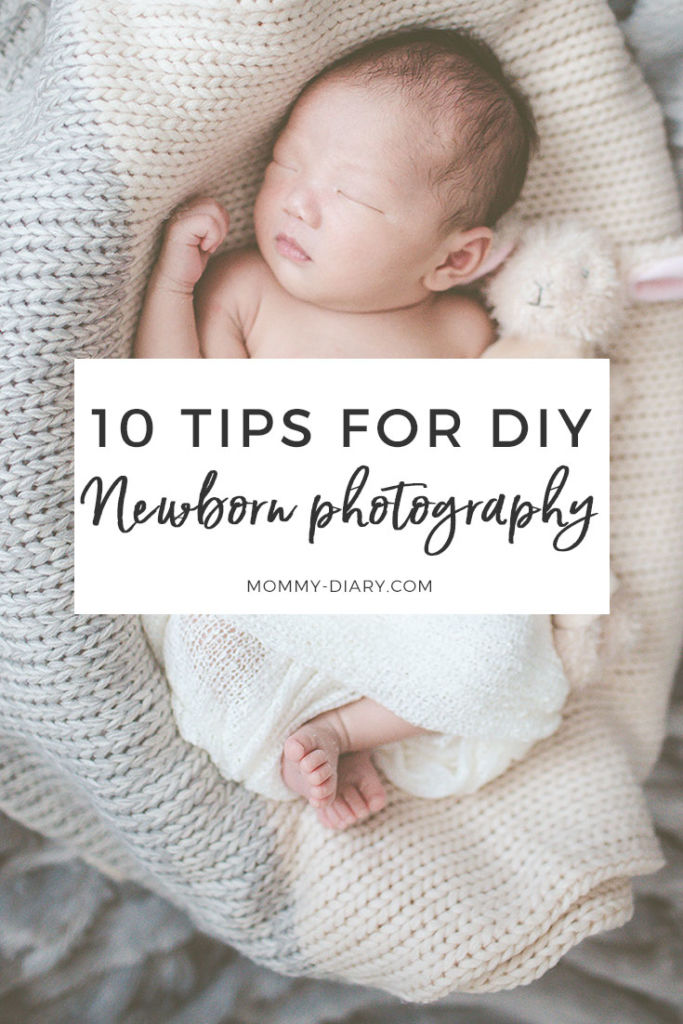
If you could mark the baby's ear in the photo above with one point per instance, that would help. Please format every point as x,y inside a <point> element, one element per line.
<point>505,238</point>
<point>466,252</point>
<point>496,255</point>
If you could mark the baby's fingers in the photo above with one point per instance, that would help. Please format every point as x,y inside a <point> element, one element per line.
<point>192,234</point>
<point>213,234</point>
<point>201,222</point>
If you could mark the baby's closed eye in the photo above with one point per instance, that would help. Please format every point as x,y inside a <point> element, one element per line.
<point>287,164</point>
<point>360,202</point>
<point>279,163</point>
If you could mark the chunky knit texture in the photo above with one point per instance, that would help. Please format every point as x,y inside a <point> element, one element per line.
<point>124,110</point>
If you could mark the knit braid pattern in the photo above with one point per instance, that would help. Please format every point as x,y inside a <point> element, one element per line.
<point>113,114</point>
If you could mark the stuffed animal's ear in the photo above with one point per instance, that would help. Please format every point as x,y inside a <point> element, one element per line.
<point>655,273</point>
<point>657,281</point>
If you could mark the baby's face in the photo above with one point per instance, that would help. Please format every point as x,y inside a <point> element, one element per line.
<point>346,218</point>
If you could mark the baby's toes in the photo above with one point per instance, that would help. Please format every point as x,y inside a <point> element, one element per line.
<point>294,750</point>
<point>355,801</point>
<point>304,748</point>
<point>343,812</point>
<point>328,818</point>
<point>321,774</point>
<point>323,793</point>
<point>331,815</point>
<point>316,761</point>
<point>373,793</point>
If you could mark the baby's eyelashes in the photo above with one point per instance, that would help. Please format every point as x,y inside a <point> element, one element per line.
<point>360,202</point>
<point>287,167</point>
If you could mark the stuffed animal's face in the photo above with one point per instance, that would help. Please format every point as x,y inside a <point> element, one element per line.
<point>561,281</point>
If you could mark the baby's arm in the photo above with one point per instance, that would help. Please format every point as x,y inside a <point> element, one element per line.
<point>167,326</point>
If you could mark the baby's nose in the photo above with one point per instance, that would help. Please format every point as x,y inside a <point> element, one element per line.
<point>303,203</point>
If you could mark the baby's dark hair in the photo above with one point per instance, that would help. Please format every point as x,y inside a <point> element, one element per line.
<point>490,124</point>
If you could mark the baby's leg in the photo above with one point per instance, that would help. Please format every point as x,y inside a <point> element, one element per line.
<point>311,762</point>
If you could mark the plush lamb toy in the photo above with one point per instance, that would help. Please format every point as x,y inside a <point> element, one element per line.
<point>557,289</point>
<point>558,294</point>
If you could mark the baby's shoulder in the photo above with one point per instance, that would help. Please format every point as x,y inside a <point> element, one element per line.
<point>230,291</point>
<point>465,325</point>
<point>232,272</point>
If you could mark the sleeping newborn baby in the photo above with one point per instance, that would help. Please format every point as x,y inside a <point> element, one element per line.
<point>378,200</point>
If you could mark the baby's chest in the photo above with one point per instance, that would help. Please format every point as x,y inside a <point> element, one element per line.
<point>296,334</point>
<point>286,342</point>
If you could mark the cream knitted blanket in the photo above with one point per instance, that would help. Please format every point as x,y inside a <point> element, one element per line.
<point>119,113</point>
<point>489,686</point>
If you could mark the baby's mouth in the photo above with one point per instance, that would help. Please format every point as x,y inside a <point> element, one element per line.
<point>288,247</point>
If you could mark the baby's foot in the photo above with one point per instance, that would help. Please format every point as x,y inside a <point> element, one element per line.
<point>310,757</point>
<point>360,792</point>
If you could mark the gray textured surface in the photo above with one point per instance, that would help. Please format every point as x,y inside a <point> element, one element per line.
<point>75,947</point>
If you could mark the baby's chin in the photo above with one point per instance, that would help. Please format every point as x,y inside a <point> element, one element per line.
<point>321,287</point>
<point>302,281</point>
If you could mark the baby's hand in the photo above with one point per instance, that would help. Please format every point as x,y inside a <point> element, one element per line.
<point>191,236</point>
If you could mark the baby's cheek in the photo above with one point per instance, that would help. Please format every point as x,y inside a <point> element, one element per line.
<point>258,202</point>
<point>262,206</point>
<point>267,195</point>
<point>385,255</point>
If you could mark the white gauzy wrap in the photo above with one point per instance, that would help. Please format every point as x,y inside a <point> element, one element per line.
<point>489,686</point>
